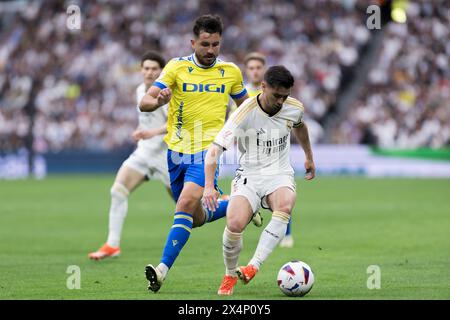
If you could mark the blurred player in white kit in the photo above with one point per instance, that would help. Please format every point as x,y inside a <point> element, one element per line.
<point>148,161</point>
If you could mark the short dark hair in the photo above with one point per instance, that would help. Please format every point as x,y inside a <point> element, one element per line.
<point>254,56</point>
<point>208,23</point>
<point>154,56</point>
<point>279,76</point>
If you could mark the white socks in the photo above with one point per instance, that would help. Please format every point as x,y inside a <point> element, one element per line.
<point>117,213</point>
<point>232,245</point>
<point>270,237</point>
<point>163,268</point>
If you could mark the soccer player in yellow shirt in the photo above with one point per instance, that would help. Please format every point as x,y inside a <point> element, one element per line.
<point>197,88</point>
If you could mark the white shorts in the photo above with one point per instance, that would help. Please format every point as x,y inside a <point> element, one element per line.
<point>257,188</point>
<point>151,165</point>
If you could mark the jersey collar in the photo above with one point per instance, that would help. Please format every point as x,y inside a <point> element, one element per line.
<point>261,108</point>
<point>198,64</point>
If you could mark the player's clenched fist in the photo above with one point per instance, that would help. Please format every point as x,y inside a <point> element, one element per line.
<point>310,170</point>
<point>210,198</point>
<point>164,96</point>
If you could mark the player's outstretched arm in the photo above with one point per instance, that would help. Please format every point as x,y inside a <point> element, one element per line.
<point>139,134</point>
<point>155,98</point>
<point>302,136</point>
<point>210,194</point>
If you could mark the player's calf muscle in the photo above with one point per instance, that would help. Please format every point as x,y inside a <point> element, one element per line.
<point>198,217</point>
<point>192,205</point>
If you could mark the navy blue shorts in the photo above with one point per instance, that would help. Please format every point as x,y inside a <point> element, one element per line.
<point>187,168</point>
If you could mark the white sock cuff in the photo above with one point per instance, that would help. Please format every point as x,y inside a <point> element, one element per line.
<point>119,190</point>
<point>232,236</point>
<point>281,216</point>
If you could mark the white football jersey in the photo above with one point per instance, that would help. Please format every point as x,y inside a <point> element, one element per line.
<point>151,120</point>
<point>263,141</point>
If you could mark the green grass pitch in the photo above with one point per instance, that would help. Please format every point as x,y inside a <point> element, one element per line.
<point>341,226</point>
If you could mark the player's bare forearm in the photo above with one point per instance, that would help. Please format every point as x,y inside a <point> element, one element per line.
<point>148,103</point>
<point>302,136</point>
<point>139,134</point>
<point>161,130</point>
<point>211,159</point>
<point>154,99</point>
<point>210,194</point>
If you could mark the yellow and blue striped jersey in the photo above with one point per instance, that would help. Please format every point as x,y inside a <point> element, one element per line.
<point>199,101</point>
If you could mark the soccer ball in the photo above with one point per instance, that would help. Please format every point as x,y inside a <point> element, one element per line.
<point>295,279</point>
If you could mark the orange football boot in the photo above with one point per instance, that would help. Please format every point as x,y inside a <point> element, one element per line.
<point>226,288</point>
<point>105,252</point>
<point>247,273</point>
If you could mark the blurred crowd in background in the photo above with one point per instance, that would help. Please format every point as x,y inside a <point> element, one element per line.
<point>405,102</point>
<point>83,82</point>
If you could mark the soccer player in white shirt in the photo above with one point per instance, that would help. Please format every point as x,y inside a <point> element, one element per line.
<point>148,161</point>
<point>255,67</point>
<point>262,127</point>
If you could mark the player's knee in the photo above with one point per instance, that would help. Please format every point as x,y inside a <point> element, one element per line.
<point>187,203</point>
<point>236,224</point>
<point>118,190</point>
<point>286,208</point>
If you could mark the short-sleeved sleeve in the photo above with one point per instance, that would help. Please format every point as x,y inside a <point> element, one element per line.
<point>300,111</point>
<point>300,120</point>
<point>238,88</point>
<point>167,77</point>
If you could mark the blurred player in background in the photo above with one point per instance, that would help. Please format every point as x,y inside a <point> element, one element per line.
<point>148,161</point>
<point>262,126</point>
<point>198,88</point>
<point>255,67</point>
